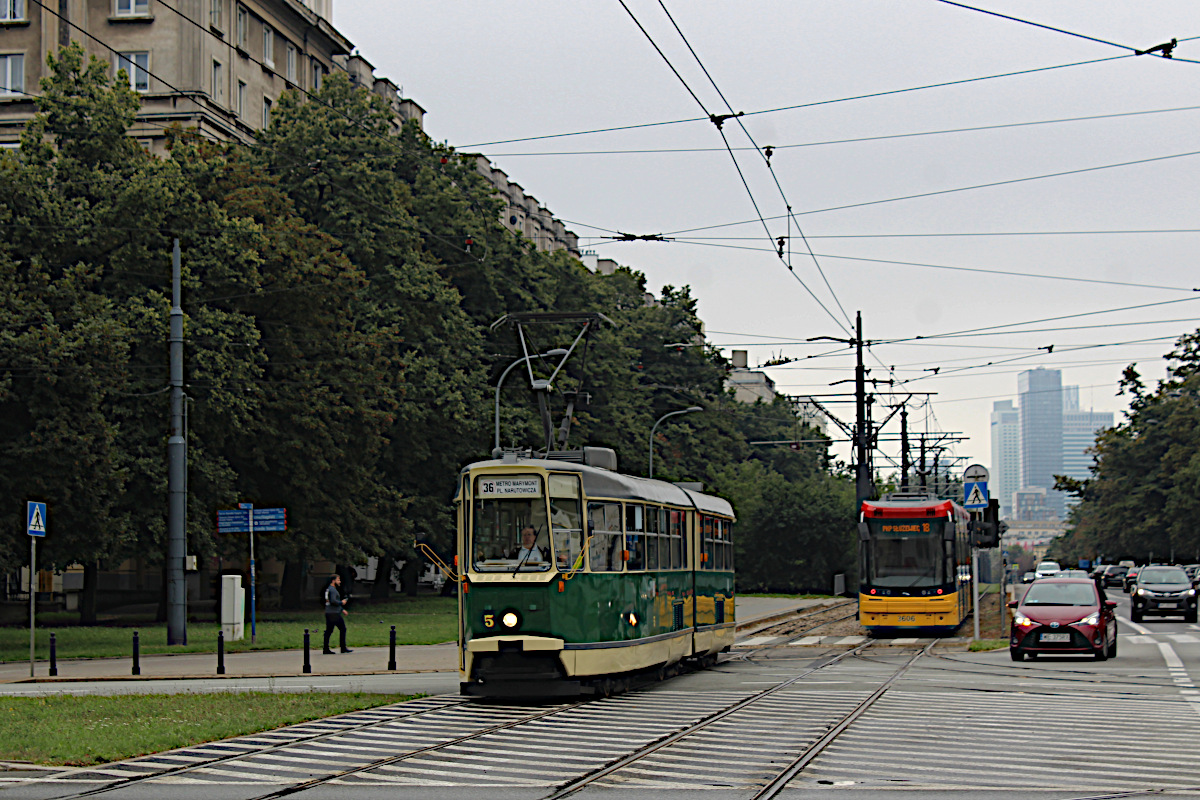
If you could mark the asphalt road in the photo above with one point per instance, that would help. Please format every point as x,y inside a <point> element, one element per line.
<point>954,724</point>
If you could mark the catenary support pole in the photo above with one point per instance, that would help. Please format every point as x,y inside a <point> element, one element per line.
<point>176,472</point>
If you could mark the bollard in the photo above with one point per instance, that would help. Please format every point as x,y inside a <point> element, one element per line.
<point>53,656</point>
<point>307,662</point>
<point>220,652</point>
<point>137,666</point>
<point>392,649</point>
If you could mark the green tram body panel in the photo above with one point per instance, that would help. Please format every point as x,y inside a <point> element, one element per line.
<point>556,630</point>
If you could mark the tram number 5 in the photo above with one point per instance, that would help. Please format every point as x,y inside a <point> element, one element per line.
<point>489,620</point>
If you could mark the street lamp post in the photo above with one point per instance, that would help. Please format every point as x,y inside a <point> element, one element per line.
<point>558,351</point>
<point>655,427</point>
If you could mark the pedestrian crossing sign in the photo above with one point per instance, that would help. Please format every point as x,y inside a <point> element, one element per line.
<point>37,519</point>
<point>975,495</point>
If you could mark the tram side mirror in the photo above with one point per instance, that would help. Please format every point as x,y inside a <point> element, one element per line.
<point>1013,604</point>
<point>864,533</point>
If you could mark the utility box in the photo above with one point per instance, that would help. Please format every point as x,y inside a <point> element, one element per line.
<point>233,608</point>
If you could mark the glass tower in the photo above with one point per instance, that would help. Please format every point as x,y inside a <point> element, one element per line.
<point>1041,420</point>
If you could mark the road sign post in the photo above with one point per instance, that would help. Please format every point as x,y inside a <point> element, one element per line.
<point>36,528</point>
<point>248,519</point>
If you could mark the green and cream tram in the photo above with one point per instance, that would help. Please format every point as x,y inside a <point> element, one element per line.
<point>574,577</point>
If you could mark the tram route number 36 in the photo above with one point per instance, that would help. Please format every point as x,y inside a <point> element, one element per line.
<point>510,486</point>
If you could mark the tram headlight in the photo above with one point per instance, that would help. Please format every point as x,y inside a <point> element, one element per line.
<point>510,619</point>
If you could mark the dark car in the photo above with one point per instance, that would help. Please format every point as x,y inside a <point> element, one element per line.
<point>1129,579</point>
<point>1063,616</point>
<point>1163,591</point>
<point>1114,575</point>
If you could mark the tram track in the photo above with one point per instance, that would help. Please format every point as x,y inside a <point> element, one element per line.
<point>217,761</point>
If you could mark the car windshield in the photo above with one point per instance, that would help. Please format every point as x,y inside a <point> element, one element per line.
<point>1171,576</point>
<point>1060,594</point>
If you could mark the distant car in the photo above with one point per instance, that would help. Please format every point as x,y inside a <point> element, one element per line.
<point>1114,575</point>
<point>1163,591</point>
<point>1073,573</point>
<point>1047,568</point>
<point>1129,579</point>
<point>1029,577</point>
<point>1063,616</point>
<point>1193,571</point>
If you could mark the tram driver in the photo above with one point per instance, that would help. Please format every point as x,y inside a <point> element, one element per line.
<point>529,551</point>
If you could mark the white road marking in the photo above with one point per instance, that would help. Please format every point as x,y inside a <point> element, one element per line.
<point>1184,638</point>
<point>1138,639</point>
<point>1134,625</point>
<point>851,640</point>
<point>805,641</point>
<point>758,640</point>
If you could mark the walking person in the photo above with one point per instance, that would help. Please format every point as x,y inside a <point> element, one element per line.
<point>335,612</point>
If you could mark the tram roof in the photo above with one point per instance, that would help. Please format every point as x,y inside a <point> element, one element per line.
<point>603,483</point>
<point>932,506</point>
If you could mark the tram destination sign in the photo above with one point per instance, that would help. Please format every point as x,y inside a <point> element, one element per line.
<point>510,487</point>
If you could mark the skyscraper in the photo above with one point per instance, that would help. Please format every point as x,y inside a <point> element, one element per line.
<point>1079,435</point>
<point>1006,455</point>
<point>1041,420</point>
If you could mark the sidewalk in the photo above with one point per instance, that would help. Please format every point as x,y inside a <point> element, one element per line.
<point>752,613</point>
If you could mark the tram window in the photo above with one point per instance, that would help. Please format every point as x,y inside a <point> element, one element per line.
<point>635,539</point>
<point>604,554</point>
<point>503,506</point>
<point>708,558</point>
<point>566,521</point>
<point>913,558</point>
<point>678,541</point>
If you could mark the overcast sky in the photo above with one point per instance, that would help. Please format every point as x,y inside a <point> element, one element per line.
<point>1106,237</point>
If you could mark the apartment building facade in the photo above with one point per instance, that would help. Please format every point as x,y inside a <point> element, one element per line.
<point>218,66</point>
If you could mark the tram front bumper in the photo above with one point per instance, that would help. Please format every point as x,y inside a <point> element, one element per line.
<point>516,666</point>
<point>931,612</point>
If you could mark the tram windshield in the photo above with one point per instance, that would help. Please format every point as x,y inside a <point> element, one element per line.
<point>509,531</point>
<point>906,553</point>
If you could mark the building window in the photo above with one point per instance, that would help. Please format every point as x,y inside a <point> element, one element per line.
<point>241,99</point>
<point>268,45</point>
<point>317,72</point>
<point>12,75</point>
<point>266,112</point>
<point>12,10</point>
<point>132,8</point>
<point>218,82</point>
<point>137,66</point>
<point>216,18</point>
<point>242,35</point>
<point>291,62</point>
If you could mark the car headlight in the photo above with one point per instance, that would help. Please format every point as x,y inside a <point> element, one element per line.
<point>1140,592</point>
<point>1090,619</point>
<point>1023,620</point>
<point>1191,592</point>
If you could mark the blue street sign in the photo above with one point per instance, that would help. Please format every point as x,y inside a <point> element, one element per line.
<point>36,519</point>
<point>975,495</point>
<point>266,520</point>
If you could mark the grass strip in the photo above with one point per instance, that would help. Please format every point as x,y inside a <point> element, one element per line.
<point>432,621</point>
<point>987,644</point>
<point>68,730</point>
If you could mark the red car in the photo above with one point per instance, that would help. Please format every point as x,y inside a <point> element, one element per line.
<point>1063,616</point>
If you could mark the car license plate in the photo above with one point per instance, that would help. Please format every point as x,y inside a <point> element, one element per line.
<point>1166,605</point>
<point>1056,637</point>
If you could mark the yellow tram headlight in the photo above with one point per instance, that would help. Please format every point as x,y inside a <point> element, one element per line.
<point>510,619</point>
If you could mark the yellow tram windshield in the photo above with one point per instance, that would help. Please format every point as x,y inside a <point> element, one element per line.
<point>509,530</point>
<point>906,553</point>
